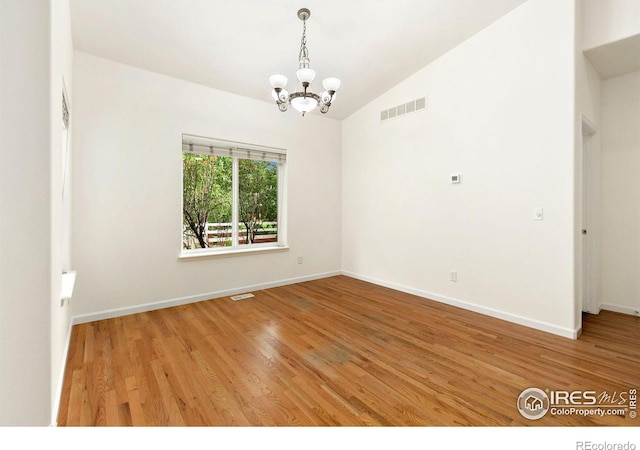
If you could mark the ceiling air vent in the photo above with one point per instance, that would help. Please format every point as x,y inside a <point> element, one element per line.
<point>418,104</point>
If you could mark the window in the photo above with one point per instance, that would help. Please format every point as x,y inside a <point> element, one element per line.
<point>231,196</point>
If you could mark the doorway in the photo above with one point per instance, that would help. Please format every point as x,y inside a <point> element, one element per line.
<point>590,218</point>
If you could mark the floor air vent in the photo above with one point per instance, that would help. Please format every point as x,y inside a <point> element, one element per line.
<point>241,296</point>
<point>418,104</point>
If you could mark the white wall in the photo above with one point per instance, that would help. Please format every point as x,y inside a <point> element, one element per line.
<point>607,21</point>
<point>501,112</point>
<point>620,205</point>
<point>127,195</point>
<point>27,248</point>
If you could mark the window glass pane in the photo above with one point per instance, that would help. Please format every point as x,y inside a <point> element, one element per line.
<point>206,199</point>
<point>257,201</point>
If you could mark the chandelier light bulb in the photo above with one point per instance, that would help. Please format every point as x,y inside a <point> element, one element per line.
<point>278,81</point>
<point>306,75</point>
<point>331,84</point>
<point>304,104</point>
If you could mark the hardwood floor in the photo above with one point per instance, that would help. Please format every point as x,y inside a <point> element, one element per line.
<point>335,351</point>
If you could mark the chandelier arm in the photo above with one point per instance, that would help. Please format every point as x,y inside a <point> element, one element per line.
<point>278,101</point>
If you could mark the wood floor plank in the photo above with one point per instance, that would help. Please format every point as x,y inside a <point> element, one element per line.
<point>111,409</point>
<point>135,407</point>
<point>170,401</point>
<point>335,352</point>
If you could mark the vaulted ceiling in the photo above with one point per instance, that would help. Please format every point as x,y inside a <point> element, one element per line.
<point>235,45</point>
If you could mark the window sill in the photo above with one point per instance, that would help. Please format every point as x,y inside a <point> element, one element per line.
<point>226,253</point>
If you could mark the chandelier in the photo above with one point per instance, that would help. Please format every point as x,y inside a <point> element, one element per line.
<point>304,100</point>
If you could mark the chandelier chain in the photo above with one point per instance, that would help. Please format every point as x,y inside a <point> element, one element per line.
<point>303,56</point>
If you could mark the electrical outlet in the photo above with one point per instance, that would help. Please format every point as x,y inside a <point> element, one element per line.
<point>299,259</point>
<point>453,276</point>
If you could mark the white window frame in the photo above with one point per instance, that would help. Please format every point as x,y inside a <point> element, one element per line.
<point>238,150</point>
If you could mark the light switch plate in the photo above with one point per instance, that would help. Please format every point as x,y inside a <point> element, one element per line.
<point>538,214</point>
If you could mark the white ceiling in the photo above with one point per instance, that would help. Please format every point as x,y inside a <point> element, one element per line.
<point>235,45</point>
<point>617,58</point>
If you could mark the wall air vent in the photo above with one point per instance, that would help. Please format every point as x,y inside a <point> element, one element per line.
<point>412,106</point>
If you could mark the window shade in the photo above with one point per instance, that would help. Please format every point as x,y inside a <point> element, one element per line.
<point>208,146</point>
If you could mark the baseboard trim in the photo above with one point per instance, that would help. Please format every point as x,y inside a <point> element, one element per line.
<point>520,320</point>
<point>58,397</point>
<point>118,312</point>
<point>498,314</point>
<point>620,309</point>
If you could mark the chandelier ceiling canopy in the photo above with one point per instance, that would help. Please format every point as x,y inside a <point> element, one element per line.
<point>303,100</point>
